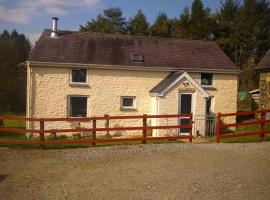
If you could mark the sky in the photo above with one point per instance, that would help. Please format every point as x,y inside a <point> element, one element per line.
<point>31,17</point>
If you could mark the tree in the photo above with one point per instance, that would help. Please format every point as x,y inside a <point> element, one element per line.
<point>14,49</point>
<point>138,25</point>
<point>250,41</point>
<point>111,21</point>
<point>198,22</point>
<point>225,20</point>
<point>162,26</point>
<point>184,24</point>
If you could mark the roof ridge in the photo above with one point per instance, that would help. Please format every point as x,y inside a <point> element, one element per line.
<point>137,36</point>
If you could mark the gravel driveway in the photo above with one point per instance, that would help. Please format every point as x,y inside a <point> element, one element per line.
<point>162,171</point>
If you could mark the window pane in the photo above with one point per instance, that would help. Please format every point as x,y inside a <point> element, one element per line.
<point>78,106</point>
<point>206,79</point>
<point>79,75</point>
<point>127,102</point>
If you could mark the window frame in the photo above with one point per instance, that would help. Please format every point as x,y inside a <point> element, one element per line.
<point>128,107</point>
<point>78,83</point>
<point>211,81</point>
<point>69,105</point>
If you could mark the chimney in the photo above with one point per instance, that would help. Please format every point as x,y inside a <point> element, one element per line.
<point>54,28</point>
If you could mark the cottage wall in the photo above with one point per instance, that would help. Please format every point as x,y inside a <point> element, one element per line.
<point>49,89</point>
<point>265,90</point>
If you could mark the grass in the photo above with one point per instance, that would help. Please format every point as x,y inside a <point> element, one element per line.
<point>22,136</point>
<point>248,139</point>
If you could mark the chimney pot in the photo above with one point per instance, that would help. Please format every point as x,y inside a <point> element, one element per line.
<point>54,28</point>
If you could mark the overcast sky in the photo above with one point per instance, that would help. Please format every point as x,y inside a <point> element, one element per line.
<point>32,16</point>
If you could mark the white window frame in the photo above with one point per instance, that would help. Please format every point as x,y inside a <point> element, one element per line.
<point>69,105</point>
<point>78,83</point>
<point>201,79</point>
<point>128,107</point>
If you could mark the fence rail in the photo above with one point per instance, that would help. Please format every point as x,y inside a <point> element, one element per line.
<point>262,121</point>
<point>42,131</point>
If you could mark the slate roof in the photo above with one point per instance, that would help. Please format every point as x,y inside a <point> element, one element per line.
<point>116,49</point>
<point>162,85</point>
<point>264,64</point>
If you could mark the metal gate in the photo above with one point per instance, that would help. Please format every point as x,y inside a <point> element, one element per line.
<point>204,125</point>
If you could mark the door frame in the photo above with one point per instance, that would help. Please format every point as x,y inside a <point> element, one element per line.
<point>179,108</point>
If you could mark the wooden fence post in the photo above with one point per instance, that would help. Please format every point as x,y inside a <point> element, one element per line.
<point>190,125</point>
<point>144,128</point>
<point>218,128</point>
<point>262,126</point>
<point>1,123</point>
<point>107,124</point>
<point>41,134</point>
<point>94,131</point>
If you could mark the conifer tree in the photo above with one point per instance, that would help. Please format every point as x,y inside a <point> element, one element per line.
<point>138,25</point>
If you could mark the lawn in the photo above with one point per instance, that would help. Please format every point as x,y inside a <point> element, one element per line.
<point>22,136</point>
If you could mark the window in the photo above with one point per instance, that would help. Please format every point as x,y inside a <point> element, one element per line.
<point>206,79</point>
<point>137,58</point>
<point>128,102</point>
<point>78,106</point>
<point>78,76</point>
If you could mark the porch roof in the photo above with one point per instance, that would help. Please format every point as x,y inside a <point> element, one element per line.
<point>171,80</point>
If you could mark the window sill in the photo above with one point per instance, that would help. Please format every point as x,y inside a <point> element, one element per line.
<point>79,84</point>
<point>128,109</point>
<point>208,87</point>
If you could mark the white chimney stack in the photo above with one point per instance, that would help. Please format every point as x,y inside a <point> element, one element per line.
<point>54,28</point>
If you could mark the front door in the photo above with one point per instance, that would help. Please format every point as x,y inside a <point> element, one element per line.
<point>185,107</point>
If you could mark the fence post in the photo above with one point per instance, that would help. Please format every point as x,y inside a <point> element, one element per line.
<point>144,128</point>
<point>94,132</point>
<point>218,128</point>
<point>1,123</point>
<point>262,126</point>
<point>190,125</point>
<point>41,134</point>
<point>107,124</point>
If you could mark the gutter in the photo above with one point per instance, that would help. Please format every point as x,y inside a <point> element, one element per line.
<point>135,68</point>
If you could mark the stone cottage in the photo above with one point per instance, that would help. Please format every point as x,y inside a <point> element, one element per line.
<point>72,74</point>
<point>264,69</point>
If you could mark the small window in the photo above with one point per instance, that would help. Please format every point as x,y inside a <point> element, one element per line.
<point>78,106</point>
<point>206,79</point>
<point>128,102</point>
<point>137,58</point>
<point>78,76</point>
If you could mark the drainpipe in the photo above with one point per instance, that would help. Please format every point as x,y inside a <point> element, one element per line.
<point>157,113</point>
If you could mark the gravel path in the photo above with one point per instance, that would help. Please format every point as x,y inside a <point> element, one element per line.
<point>163,171</point>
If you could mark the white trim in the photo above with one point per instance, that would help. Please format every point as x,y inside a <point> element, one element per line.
<point>69,104</point>
<point>128,107</point>
<point>134,68</point>
<point>254,91</point>
<point>78,83</point>
<point>191,80</point>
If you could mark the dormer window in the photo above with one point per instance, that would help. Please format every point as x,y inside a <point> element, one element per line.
<point>206,79</point>
<point>78,76</point>
<point>137,58</point>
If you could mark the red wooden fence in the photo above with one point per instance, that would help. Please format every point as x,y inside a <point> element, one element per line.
<point>261,120</point>
<point>42,131</point>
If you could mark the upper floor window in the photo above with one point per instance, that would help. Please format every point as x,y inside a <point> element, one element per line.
<point>78,76</point>
<point>206,79</point>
